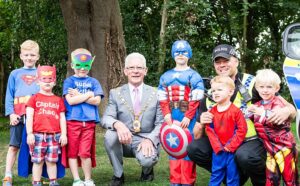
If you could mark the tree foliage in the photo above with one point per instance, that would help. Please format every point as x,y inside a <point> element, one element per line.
<point>253,26</point>
<point>37,20</point>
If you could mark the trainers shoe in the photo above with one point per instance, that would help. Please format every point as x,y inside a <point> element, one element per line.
<point>78,183</point>
<point>7,181</point>
<point>89,183</point>
<point>37,184</point>
<point>54,184</point>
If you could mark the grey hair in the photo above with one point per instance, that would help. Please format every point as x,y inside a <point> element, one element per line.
<point>135,55</point>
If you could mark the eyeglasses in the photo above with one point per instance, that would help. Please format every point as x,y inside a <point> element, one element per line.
<point>135,68</point>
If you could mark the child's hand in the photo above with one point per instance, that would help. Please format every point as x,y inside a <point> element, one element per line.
<point>256,110</point>
<point>73,92</point>
<point>14,119</point>
<point>251,108</point>
<point>168,119</point>
<point>63,140</point>
<point>30,139</point>
<point>91,94</point>
<point>185,122</point>
<point>226,149</point>
<point>206,117</point>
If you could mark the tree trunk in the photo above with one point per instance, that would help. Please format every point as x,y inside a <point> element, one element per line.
<point>2,91</point>
<point>249,35</point>
<point>97,26</point>
<point>244,39</point>
<point>162,43</point>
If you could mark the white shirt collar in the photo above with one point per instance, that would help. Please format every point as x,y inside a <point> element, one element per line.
<point>131,87</point>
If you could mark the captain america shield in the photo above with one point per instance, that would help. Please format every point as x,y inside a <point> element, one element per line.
<point>175,139</point>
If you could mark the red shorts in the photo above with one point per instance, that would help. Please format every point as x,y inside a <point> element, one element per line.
<point>80,138</point>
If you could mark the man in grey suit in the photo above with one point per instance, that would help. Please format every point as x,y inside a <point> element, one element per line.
<point>133,119</point>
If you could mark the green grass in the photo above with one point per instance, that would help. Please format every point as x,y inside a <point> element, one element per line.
<point>103,172</point>
<point>4,123</point>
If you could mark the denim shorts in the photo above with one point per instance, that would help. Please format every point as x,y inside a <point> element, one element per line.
<point>16,134</point>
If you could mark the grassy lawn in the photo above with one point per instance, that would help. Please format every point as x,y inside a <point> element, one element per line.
<point>103,172</point>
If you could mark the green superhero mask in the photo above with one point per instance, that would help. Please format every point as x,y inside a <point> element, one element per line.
<point>82,61</point>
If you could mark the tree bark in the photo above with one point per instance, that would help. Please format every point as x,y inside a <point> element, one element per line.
<point>244,39</point>
<point>162,43</point>
<point>251,45</point>
<point>97,26</point>
<point>1,86</point>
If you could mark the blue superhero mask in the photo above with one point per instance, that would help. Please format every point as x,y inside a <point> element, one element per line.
<point>82,61</point>
<point>181,47</point>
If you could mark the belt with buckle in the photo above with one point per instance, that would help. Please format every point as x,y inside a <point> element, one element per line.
<point>182,105</point>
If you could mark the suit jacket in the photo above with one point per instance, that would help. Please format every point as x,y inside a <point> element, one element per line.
<point>118,110</point>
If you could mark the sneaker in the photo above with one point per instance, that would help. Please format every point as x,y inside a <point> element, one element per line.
<point>37,184</point>
<point>53,183</point>
<point>89,183</point>
<point>7,181</point>
<point>78,183</point>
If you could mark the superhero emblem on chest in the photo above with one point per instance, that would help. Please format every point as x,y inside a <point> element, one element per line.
<point>28,79</point>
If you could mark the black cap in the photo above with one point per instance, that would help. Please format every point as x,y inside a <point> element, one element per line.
<point>224,50</point>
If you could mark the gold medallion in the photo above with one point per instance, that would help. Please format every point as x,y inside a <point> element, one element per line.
<point>136,125</point>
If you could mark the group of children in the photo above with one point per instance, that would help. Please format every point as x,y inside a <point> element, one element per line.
<point>183,87</point>
<point>229,127</point>
<point>55,124</point>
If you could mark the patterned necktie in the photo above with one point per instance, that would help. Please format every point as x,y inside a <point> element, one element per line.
<point>136,101</point>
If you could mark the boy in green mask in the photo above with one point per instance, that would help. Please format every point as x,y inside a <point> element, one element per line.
<point>82,95</point>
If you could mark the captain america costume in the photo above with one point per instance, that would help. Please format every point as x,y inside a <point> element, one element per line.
<point>179,93</point>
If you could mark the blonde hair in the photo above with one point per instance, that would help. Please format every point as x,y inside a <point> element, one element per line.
<point>267,76</point>
<point>135,55</point>
<point>226,80</point>
<point>80,51</point>
<point>30,45</point>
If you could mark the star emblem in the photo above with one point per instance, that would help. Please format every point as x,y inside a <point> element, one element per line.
<point>172,140</point>
<point>176,75</point>
<point>180,45</point>
<point>83,57</point>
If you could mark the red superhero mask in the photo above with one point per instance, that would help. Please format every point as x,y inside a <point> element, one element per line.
<point>46,74</point>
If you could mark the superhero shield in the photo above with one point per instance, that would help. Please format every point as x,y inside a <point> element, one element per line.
<point>175,139</point>
<point>291,69</point>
